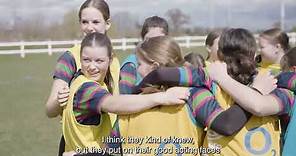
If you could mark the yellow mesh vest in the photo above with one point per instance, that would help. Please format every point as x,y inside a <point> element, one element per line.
<point>275,69</point>
<point>158,127</point>
<point>114,69</point>
<point>82,136</point>
<point>259,136</point>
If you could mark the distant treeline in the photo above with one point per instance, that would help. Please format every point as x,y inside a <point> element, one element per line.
<point>123,25</point>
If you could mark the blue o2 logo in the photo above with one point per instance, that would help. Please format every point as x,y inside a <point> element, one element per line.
<point>267,144</point>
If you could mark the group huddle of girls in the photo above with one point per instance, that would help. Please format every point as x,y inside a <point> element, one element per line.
<point>237,102</point>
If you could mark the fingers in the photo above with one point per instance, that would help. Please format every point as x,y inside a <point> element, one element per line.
<point>217,71</point>
<point>184,96</point>
<point>181,99</point>
<point>180,102</point>
<point>62,100</point>
<point>62,104</point>
<point>176,95</point>
<point>265,82</point>
<point>64,90</point>
<point>183,92</point>
<point>63,96</point>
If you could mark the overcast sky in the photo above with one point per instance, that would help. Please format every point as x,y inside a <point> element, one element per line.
<point>252,14</point>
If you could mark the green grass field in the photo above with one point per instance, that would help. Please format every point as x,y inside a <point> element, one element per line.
<point>24,86</point>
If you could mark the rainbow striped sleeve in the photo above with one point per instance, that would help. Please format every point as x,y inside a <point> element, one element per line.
<point>285,99</point>
<point>287,80</point>
<point>115,133</point>
<point>127,78</point>
<point>65,68</point>
<point>197,77</point>
<point>204,106</point>
<point>87,100</point>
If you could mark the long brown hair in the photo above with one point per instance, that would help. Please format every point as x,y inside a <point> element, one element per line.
<point>195,59</point>
<point>101,5</point>
<point>211,38</point>
<point>237,48</point>
<point>100,40</point>
<point>163,50</point>
<point>276,36</point>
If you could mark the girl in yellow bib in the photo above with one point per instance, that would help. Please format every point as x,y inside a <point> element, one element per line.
<point>273,43</point>
<point>149,125</point>
<point>281,103</point>
<point>181,122</point>
<point>94,16</point>
<point>85,118</point>
<point>260,135</point>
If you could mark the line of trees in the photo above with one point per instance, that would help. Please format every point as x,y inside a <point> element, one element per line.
<point>124,24</point>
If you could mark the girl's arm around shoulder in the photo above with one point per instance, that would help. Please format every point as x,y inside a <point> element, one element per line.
<point>209,113</point>
<point>127,104</point>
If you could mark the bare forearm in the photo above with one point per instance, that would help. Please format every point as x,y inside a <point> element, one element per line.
<point>53,108</point>
<point>249,99</point>
<point>127,104</point>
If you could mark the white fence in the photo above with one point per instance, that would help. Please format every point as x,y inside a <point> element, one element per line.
<point>50,47</point>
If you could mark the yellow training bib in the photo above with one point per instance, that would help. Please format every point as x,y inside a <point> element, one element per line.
<point>78,136</point>
<point>114,70</point>
<point>259,136</point>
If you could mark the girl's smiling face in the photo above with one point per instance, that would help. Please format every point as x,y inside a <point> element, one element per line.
<point>92,20</point>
